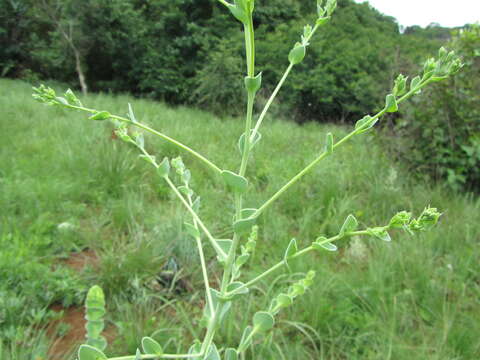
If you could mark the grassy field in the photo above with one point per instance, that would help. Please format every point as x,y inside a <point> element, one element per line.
<point>67,187</point>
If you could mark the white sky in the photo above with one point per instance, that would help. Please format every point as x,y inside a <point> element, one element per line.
<point>447,13</point>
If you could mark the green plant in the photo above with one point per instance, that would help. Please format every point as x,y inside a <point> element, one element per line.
<point>233,254</point>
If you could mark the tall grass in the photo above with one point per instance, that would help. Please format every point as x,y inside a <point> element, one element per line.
<point>410,299</point>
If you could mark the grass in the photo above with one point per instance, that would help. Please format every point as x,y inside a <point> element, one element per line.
<point>414,298</point>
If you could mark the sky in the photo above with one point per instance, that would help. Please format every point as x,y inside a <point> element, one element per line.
<point>448,13</point>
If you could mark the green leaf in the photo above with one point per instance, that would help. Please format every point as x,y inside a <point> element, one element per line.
<point>254,141</point>
<point>98,343</point>
<point>185,190</point>
<point>192,230</point>
<point>93,314</point>
<point>414,83</point>
<point>195,349</point>
<point>225,245</point>
<point>263,321</point>
<point>231,354</point>
<point>87,352</point>
<point>365,124</point>
<point>329,144</point>
<point>244,225</point>
<point>150,346</point>
<point>164,168</point>
<point>131,114</point>
<point>380,233</point>
<point>212,353</point>
<point>72,99</point>
<point>321,244</point>
<point>284,300</point>
<point>94,328</point>
<point>247,212</point>
<point>253,84</point>
<point>236,182</point>
<point>239,13</point>
<point>391,104</point>
<point>138,355</point>
<point>233,286</point>
<point>297,54</point>
<point>101,115</point>
<point>246,339</point>
<point>292,249</point>
<point>349,225</point>
<point>95,297</point>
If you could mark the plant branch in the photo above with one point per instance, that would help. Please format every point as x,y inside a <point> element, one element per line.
<point>152,131</point>
<point>297,254</point>
<point>196,218</point>
<point>202,261</point>
<point>270,101</point>
<point>325,153</point>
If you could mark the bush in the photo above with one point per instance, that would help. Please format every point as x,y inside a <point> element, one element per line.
<point>439,134</point>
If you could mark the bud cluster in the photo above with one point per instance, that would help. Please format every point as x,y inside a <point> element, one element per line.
<point>284,300</point>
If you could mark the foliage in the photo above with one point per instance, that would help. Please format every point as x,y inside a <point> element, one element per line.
<point>219,300</point>
<point>170,50</point>
<point>441,133</point>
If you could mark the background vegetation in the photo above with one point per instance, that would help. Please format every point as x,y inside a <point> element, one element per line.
<point>70,189</point>
<point>409,299</point>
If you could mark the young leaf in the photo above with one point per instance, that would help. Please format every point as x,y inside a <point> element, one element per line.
<point>236,182</point>
<point>380,233</point>
<point>321,245</point>
<point>244,225</point>
<point>254,141</point>
<point>297,54</point>
<point>391,104</point>
<point>284,300</point>
<point>246,338</point>
<point>263,321</point>
<point>239,13</point>
<point>349,225</point>
<point>87,352</point>
<point>414,83</point>
<point>233,286</point>
<point>225,245</point>
<point>292,249</point>
<point>95,297</point>
<point>138,355</point>
<point>253,84</point>
<point>131,114</point>
<point>365,124</point>
<point>213,353</point>
<point>164,168</point>
<point>150,346</point>
<point>101,115</point>
<point>72,99</point>
<point>247,212</point>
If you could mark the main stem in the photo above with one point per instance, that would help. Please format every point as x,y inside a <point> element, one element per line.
<point>250,54</point>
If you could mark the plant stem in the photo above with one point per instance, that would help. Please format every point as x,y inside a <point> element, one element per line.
<point>195,217</point>
<point>270,101</point>
<point>277,89</point>
<point>202,261</point>
<point>297,254</point>
<point>155,132</point>
<point>250,54</point>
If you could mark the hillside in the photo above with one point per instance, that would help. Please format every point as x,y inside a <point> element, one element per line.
<point>68,187</point>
